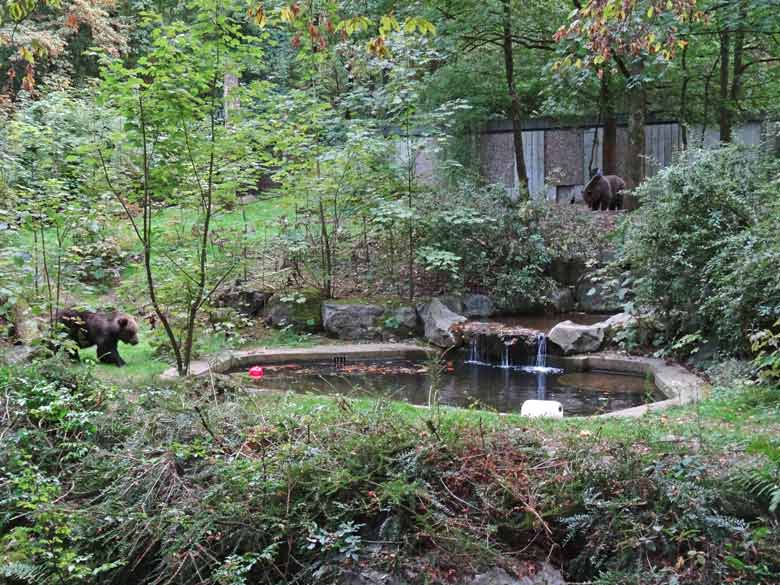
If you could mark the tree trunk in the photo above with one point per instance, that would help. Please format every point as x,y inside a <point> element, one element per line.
<point>609,158</point>
<point>637,106</point>
<point>515,112</point>
<point>736,76</point>
<point>684,98</point>
<point>230,96</point>
<point>724,118</point>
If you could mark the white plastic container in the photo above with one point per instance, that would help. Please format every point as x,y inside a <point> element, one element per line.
<point>549,408</point>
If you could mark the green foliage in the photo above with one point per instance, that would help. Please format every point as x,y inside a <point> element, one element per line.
<point>674,509</point>
<point>701,247</point>
<point>183,136</point>
<point>183,485</point>
<point>766,347</point>
<point>55,223</point>
<point>53,414</point>
<point>483,239</point>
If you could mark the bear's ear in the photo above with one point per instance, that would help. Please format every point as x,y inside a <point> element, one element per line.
<point>122,322</point>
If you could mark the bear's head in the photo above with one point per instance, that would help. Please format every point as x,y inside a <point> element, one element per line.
<point>591,191</point>
<point>128,329</point>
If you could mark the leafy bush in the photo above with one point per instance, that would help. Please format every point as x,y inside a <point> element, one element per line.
<point>702,246</point>
<point>766,346</point>
<point>496,242</point>
<point>52,415</point>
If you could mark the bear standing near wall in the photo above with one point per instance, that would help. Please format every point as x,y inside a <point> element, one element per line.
<point>604,192</point>
<point>105,330</point>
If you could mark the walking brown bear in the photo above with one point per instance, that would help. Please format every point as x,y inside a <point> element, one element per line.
<point>105,330</point>
<point>604,191</point>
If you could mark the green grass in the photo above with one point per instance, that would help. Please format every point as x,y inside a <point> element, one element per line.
<point>711,425</point>
<point>142,367</point>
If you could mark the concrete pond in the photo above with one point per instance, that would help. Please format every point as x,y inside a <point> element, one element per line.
<point>603,384</point>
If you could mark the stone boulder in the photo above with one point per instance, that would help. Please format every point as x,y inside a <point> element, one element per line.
<point>521,304</point>
<point>25,328</point>
<point>352,321</point>
<point>302,310</point>
<point>574,338</point>
<point>597,296</point>
<point>545,574</point>
<point>246,301</point>
<point>438,322</point>
<point>403,322</point>
<point>478,306</point>
<point>453,302</point>
<point>644,329</point>
<point>615,324</point>
<point>562,300</point>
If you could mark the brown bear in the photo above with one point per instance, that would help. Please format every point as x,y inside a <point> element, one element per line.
<point>105,330</point>
<point>604,192</point>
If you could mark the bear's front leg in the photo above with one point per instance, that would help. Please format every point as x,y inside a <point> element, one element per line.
<point>109,354</point>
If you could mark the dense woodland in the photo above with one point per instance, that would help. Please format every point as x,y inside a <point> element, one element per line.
<point>159,159</point>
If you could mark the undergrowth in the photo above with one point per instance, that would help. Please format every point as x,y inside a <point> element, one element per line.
<point>189,484</point>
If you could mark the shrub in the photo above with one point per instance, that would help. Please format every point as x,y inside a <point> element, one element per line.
<point>702,245</point>
<point>498,245</point>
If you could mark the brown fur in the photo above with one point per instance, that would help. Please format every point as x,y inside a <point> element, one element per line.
<point>604,192</point>
<point>105,330</point>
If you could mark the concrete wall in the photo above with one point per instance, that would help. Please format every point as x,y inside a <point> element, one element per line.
<point>558,158</point>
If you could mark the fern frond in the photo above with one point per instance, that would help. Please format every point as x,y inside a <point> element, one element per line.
<point>24,572</point>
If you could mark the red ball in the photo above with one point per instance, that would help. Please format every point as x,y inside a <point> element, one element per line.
<point>256,372</point>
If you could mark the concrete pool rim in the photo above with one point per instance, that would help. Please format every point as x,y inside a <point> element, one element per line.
<point>676,383</point>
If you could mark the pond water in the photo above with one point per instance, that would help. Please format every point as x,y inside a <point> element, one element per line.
<point>466,385</point>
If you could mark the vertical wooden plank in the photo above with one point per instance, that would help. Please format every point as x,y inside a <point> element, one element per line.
<point>533,153</point>
<point>588,136</point>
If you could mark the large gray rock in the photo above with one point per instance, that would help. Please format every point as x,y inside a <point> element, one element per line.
<point>546,574</point>
<point>521,305</point>
<point>407,317</point>
<point>453,302</point>
<point>303,311</point>
<point>403,323</point>
<point>438,321</point>
<point>352,321</point>
<point>244,300</point>
<point>368,577</point>
<point>562,300</point>
<point>478,306</point>
<point>26,328</point>
<point>574,338</point>
<point>597,296</point>
<point>643,328</point>
<point>616,323</point>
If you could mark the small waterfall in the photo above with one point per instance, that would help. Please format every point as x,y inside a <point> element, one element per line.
<point>506,359</point>
<point>540,365</point>
<point>475,351</point>
<point>473,345</point>
<point>541,351</point>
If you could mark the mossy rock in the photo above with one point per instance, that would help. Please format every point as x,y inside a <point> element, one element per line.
<point>301,309</point>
